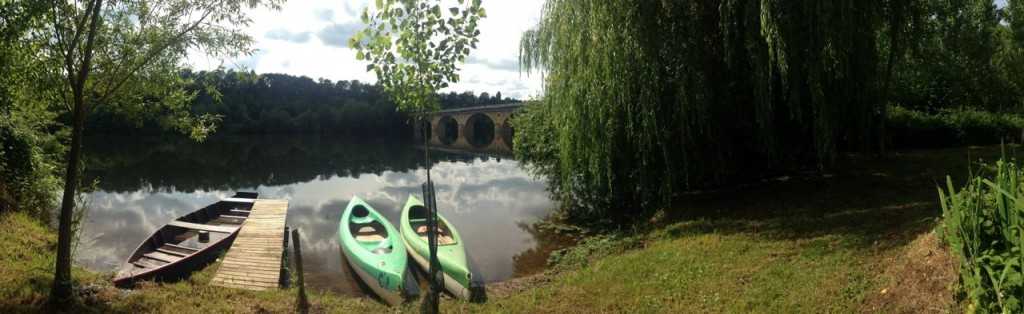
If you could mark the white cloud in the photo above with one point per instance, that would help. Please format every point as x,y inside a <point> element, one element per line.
<point>284,46</point>
<point>286,35</point>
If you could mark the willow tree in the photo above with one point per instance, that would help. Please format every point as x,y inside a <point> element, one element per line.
<point>649,97</point>
<point>127,56</point>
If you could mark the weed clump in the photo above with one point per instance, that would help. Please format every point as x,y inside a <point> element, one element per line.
<point>984,225</point>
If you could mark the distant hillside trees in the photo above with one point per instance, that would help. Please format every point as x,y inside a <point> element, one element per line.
<point>250,103</point>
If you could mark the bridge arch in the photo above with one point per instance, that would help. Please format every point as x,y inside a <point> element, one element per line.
<point>479,130</point>
<point>447,129</point>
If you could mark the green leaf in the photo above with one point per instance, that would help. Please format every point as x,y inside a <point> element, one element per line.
<point>360,56</point>
<point>482,12</point>
<point>369,67</point>
<point>454,10</point>
<point>380,4</point>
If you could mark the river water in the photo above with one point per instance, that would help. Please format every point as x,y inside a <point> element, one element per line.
<point>141,183</point>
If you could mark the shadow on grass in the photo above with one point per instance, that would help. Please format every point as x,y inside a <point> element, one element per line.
<point>868,202</point>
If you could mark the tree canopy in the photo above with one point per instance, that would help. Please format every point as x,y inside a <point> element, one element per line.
<point>648,98</point>
<point>414,47</point>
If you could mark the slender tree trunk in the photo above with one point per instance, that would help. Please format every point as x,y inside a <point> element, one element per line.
<point>61,294</point>
<point>894,25</point>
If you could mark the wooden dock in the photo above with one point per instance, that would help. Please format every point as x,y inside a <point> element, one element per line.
<point>254,260</point>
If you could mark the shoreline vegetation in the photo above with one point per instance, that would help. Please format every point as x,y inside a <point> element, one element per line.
<point>859,239</point>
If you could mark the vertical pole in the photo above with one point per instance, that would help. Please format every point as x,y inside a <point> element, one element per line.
<point>430,303</point>
<point>303,301</point>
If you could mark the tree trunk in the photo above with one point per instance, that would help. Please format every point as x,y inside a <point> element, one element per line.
<point>60,293</point>
<point>894,27</point>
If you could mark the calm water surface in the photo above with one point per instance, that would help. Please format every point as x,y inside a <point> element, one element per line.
<point>144,182</point>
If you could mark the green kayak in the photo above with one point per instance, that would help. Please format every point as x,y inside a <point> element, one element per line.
<point>372,247</point>
<point>451,252</point>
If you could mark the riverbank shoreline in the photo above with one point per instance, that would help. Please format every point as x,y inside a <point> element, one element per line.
<point>859,239</point>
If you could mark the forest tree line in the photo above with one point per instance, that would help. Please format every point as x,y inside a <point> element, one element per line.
<point>250,103</point>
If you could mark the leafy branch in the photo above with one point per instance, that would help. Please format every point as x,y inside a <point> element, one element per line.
<point>413,47</point>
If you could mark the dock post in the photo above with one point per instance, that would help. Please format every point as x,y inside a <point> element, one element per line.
<point>303,301</point>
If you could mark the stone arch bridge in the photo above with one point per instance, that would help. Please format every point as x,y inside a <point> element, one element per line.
<point>482,129</point>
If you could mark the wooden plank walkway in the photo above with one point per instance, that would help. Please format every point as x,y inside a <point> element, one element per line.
<point>254,260</point>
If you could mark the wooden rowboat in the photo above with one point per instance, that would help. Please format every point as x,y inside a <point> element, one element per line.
<point>187,243</point>
<point>451,252</point>
<point>373,248</point>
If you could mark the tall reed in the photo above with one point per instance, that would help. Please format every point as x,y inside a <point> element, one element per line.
<point>983,223</point>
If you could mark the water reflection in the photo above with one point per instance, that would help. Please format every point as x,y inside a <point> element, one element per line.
<point>146,182</point>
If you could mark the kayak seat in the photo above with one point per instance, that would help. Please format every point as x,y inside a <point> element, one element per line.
<point>370,234</point>
<point>423,230</point>
<point>443,237</point>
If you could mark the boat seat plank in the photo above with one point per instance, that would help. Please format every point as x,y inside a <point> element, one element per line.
<point>239,211</point>
<point>171,252</point>
<point>181,247</point>
<point>163,257</point>
<point>239,200</point>
<point>195,226</point>
<point>233,217</point>
<point>145,264</point>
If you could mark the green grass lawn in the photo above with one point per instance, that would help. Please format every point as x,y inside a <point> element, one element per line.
<point>843,242</point>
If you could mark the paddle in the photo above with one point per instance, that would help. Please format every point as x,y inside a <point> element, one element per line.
<point>434,274</point>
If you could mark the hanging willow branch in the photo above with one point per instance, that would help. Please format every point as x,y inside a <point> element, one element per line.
<point>649,97</point>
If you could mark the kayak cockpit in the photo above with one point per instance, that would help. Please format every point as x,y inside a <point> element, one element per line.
<point>368,232</point>
<point>418,222</point>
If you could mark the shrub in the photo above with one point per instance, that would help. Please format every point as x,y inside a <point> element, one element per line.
<point>984,224</point>
<point>29,165</point>
<point>950,127</point>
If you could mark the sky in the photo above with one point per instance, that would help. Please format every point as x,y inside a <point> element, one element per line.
<point>310,38</point>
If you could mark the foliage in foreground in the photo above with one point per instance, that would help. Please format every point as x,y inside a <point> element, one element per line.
<point>984,223</point>
<point>30,142</point>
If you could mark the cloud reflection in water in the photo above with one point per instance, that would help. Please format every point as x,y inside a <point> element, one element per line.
<point>484,199</point>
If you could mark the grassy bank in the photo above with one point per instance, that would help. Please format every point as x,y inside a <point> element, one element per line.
<point>859,239</point>
<point>27,273</point>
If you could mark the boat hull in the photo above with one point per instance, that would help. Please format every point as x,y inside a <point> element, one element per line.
<point>180,262</point>
<point>371,246</point>
<point>453,286</point>
<point>179,270</point>
<point>451,255</point>
<point>390,297</point>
